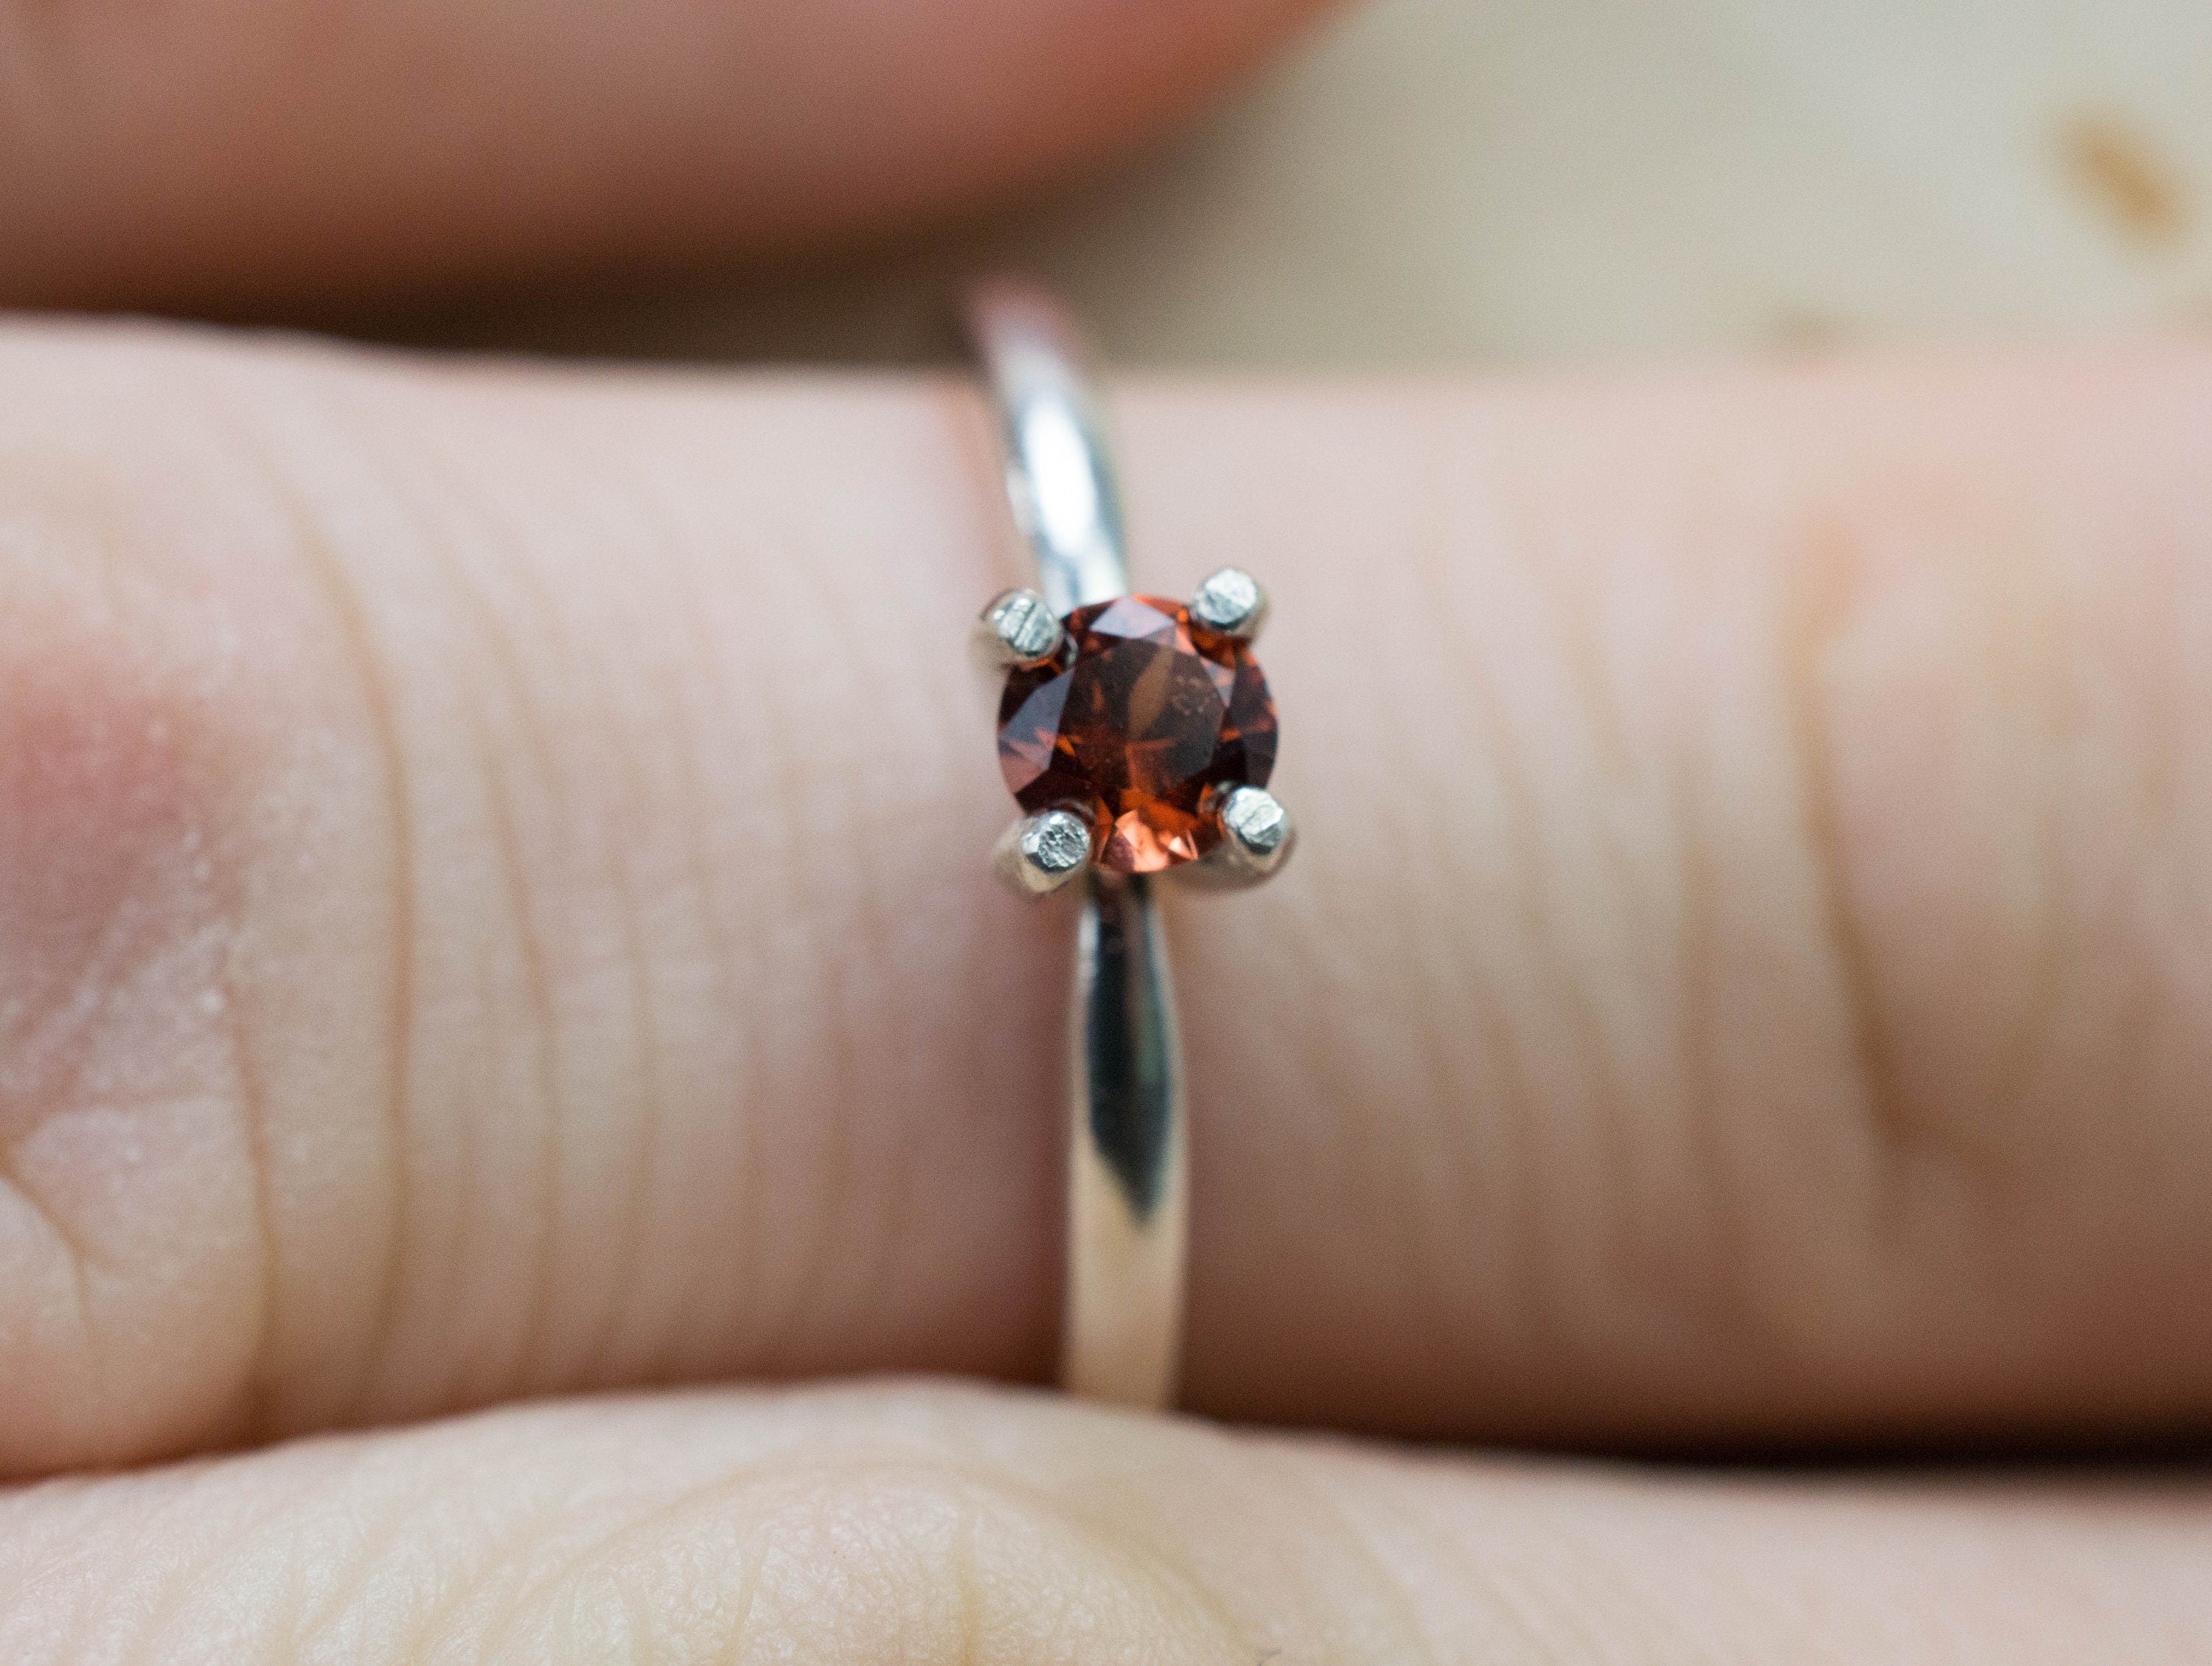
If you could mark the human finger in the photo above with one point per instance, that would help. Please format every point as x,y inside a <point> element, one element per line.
<point>925,1524</point>
<point>262,155</point>
<point>492,899</point>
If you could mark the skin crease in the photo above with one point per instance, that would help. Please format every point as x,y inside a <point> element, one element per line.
<point>1783,1023</point>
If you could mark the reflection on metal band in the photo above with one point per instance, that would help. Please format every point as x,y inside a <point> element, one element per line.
<point>1060,475</point>
<point>1127,1189</point>
<point>1129,1047</point>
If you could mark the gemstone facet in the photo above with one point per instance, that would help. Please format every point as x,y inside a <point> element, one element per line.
<point>1140,712</point>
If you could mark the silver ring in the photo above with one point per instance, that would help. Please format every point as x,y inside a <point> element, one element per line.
<point>1138,735</point>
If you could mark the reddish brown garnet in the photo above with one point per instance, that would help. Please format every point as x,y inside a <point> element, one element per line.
<point>1139,715</point>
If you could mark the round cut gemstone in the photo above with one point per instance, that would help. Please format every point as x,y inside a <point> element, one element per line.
<point>1141,715</point>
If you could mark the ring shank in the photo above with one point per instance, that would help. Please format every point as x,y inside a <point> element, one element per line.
<point>1128,1197</point>
<point>1060,472</point>
<point>1128,1174</point>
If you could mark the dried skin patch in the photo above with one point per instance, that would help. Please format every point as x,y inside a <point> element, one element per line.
<point>127,1215</point>
<point>855,1561</point>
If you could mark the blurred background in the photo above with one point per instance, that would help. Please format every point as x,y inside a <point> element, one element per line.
<point>1434,182</point>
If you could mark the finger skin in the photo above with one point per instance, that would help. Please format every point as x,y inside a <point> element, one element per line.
<point>924,1524</point>
<point>494,898</point>
<point>250,155</point>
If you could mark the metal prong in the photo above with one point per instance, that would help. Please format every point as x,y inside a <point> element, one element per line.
<point>1232,603</point>
<point>1257,830</point>
<point>1256,836</point>
<point>1017,628</point>
<point>1040,853</point>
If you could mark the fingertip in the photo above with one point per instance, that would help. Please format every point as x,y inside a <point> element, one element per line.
<point>248,159</point>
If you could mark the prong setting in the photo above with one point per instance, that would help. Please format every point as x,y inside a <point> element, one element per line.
<point>1256,838</point>
<point>1040,853</point>
<point>1231,603</point>
<point>1017,629</point>
<point>1256,826</point>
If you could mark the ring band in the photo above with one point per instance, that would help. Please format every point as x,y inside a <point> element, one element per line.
<point>1138,735</point>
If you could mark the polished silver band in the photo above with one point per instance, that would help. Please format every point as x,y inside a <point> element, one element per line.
<point>1127,1201</point>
